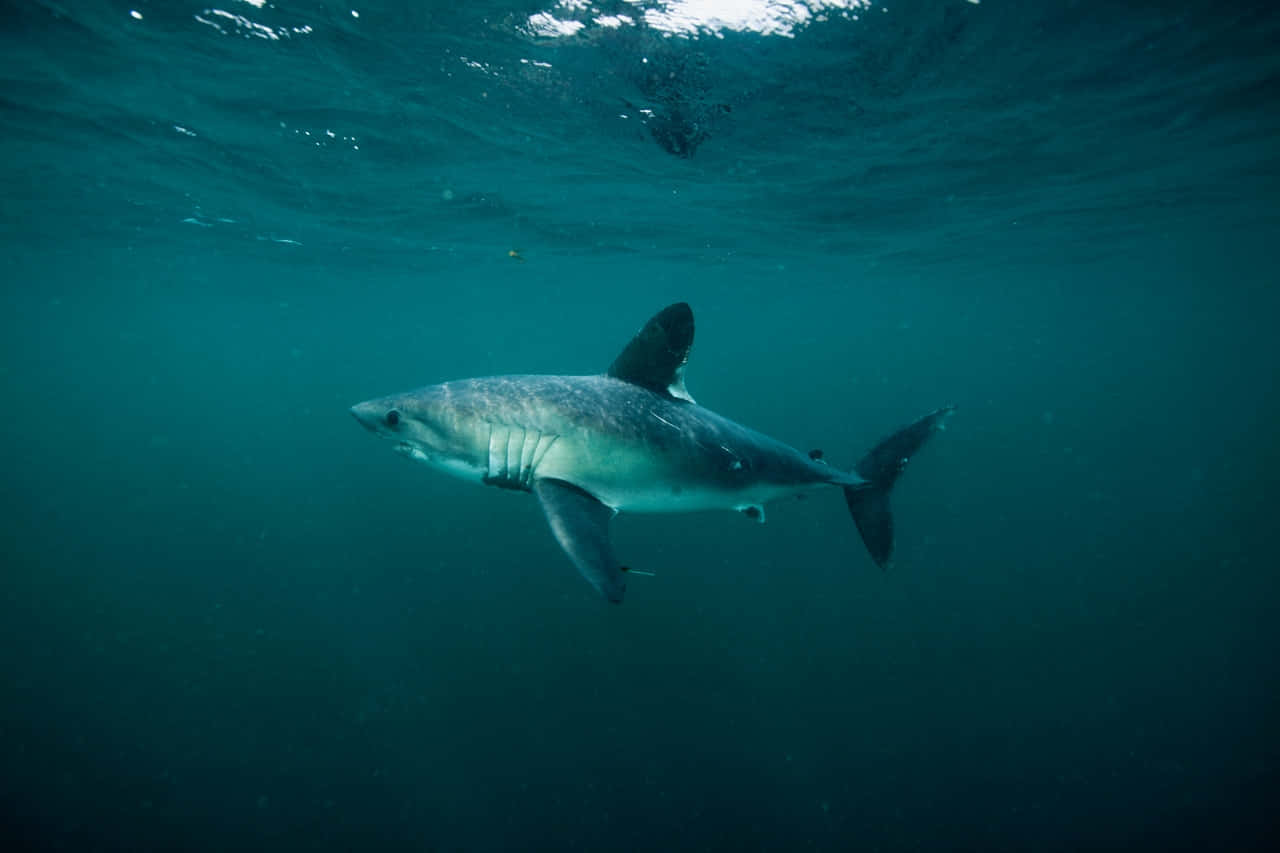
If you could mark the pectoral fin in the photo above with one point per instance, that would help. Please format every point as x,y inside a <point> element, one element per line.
<point>581,526</point>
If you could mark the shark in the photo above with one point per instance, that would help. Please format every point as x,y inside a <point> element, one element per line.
<point>631,439</point>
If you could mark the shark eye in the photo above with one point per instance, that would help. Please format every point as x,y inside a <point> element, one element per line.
<point>393,418</point>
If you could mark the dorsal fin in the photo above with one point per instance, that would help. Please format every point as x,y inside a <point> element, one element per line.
<point>656,356</point>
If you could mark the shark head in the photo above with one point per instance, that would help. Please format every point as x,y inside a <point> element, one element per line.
<point>426,428</point>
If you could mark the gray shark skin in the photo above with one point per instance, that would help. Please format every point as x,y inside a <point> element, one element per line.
<point>630,440</point>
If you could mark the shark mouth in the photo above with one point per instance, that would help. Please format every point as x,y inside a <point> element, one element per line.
<point>405,448</point>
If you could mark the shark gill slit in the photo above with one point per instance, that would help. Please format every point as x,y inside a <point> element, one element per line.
<point>544,444</point>
<point>497,460</point>
<point>527,449</point>
<point>515,444</point>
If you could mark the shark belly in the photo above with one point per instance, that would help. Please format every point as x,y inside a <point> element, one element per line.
<point>631,478</point>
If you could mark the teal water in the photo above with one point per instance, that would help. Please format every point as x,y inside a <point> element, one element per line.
<point>233,620</point>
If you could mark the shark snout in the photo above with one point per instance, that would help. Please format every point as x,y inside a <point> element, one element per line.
<point>368,415</point>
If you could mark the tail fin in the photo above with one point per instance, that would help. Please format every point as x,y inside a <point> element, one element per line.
<point>869,501</point>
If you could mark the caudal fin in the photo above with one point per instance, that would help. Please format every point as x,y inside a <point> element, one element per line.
<point>869,501</point>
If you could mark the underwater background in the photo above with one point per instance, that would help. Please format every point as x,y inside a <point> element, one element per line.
<point>231,619</point>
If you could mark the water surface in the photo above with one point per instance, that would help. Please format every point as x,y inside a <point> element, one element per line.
<point>232,619</point>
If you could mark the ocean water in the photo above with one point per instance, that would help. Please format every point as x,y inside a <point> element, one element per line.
<point>233,620</point>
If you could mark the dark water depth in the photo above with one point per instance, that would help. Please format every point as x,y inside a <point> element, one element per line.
<point>231,619</point>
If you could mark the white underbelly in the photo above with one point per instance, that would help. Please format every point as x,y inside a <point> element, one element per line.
<point>636,485</point>
<point>664,499</point>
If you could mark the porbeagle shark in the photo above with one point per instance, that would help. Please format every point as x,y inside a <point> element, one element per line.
<point>628,440</point>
